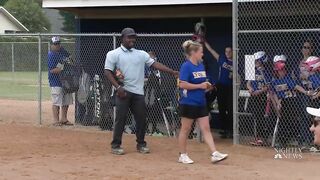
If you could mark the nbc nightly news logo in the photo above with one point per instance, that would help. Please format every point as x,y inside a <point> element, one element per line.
<point>288,153</point>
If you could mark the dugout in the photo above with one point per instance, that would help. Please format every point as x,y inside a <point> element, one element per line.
<point>154,16</point>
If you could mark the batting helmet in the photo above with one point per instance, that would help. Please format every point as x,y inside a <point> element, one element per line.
<point>313,63</point>
<point>260,56</point>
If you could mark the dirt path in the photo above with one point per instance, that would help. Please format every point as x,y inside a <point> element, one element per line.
<point>29,152</point>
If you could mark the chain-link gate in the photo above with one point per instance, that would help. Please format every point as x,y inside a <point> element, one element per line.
<point>273,41</point>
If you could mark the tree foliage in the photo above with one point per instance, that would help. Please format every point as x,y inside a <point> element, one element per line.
<point>69,21</point>
<point>29,13</point>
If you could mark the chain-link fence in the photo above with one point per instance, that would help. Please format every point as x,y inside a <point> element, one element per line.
<point>271,104</point>
<point>24,79</point>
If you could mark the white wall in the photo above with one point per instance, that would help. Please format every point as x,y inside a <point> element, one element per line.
<point>6,24</point>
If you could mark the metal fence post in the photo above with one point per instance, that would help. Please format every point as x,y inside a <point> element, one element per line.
<point>114,37</point>
<point>235,71</point>
<point>12,57</point>
<point>39,81</point>
<point>113,88</point>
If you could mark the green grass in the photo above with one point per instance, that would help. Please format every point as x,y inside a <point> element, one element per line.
<point>23,85</point>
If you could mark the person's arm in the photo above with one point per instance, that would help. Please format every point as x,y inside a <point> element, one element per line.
<point>276,102</point>
<point>189,86</point>
<point>164,68</point>
<point>150,61</point>
<point>184,79</point>
<point>302,90</point>
<point>250,89</point>
<point>110,76</point>
<point>212,51</point>
<point>56,70</point>
<point>110,65</point>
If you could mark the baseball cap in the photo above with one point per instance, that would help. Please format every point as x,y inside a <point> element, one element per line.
<point>55,40</point>
<point>313,111</point>
<point>128,32</point>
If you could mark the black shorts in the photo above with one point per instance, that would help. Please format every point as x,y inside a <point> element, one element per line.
<point>193,112</point>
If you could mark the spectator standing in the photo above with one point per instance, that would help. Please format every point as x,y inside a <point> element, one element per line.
<point>304,73</point>
<point>60,100</point>
<point>224,86</point>
<point>131,62</point>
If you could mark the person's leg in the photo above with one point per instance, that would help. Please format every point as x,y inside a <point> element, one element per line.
<point>284,123</point>
<point>222,108</point>
<point>55,113</point>
<point>260,105</point>
<point>64,113</point>
<point>67,99</point>
<point>138,110</point>
<point>186,124</point>
<point>229,105</point>
<point>305,122</point>
<point>122,108</point>
<point>205,128</point>
<point>56,96</point>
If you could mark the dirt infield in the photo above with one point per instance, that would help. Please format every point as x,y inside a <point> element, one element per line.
<point>28,151</point>
<point>26,112</point>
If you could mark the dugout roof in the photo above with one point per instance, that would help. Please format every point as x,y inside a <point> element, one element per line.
<point>134,9</point>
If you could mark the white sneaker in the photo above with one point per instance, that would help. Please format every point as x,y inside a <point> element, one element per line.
<point>184,158</point>
<point>217,156</point>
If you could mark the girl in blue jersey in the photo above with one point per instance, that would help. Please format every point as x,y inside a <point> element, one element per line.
<point>224,87</point>
<point>193,86</point>
<point>284,88</point>
<point>258,90</point>
<point>312,65</point>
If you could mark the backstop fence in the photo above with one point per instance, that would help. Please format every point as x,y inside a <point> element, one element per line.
<point>24,76</point>
<point>274,90</point>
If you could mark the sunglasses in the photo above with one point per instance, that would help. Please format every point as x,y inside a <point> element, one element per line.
<point>306,47</point>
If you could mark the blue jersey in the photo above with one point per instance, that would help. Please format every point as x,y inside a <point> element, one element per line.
<point>284,87</point>
<point>225,70</point>
<point>194,74</point>
<point>262,79</point>
<point>315,80</point>
<point>53,59</point>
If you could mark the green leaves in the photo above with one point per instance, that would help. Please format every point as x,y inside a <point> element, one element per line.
<point>30,14</point>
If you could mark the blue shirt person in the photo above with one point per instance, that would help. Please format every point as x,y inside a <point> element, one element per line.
<point>54,58</point>
<point>60,99</point>
<point>225,70</point>
<point>284,87</point>
<point>262,79</point>
<point>314,80</point>
<point>194,74</point>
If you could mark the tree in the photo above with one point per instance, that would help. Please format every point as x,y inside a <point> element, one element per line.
<point>69,21</point>
<point>30,14</point>
<point>3,2</point>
